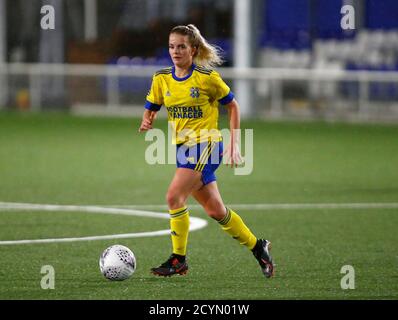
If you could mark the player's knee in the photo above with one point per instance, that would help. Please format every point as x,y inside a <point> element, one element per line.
<point>174,200</point>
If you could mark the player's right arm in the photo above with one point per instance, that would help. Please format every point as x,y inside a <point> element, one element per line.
<point>154,101</point>
<point>147,120</point>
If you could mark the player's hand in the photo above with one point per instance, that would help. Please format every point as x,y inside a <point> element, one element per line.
<point>146,125</point>
<point>232,155</point>
<point>147,121</point>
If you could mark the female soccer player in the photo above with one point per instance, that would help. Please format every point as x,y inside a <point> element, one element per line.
<point>191,92</point>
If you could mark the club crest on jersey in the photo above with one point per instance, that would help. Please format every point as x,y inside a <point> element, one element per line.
<point>195,92</point>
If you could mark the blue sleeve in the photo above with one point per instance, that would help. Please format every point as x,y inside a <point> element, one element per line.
<point>227,99</point>
<point>152,106</point>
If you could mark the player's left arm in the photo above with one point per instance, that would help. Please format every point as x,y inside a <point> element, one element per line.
<point>232,151</point>
<point>221,92</point>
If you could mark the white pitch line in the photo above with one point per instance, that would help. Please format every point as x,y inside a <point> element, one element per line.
<point>284,206</point>
<point>195,223</point>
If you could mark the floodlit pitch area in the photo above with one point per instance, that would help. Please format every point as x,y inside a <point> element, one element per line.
<point>326,195</point>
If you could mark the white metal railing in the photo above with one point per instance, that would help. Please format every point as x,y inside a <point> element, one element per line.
<point>274,78</point>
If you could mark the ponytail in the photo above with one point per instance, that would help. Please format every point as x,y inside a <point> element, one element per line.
<point>206,54</point>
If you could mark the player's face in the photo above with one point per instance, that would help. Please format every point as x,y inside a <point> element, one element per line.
<point>181,51</point>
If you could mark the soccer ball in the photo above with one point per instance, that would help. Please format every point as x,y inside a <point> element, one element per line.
<point>117,263</point>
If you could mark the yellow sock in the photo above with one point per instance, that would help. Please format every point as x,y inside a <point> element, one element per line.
<point>233,224</point>
<point>179,225</point>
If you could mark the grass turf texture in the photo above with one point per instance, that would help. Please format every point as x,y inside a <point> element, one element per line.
<point>59,159</point>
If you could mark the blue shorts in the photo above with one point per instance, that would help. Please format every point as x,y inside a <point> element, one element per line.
<point>204,157</point>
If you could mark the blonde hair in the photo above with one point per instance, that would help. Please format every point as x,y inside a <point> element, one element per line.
<point>206,54</point>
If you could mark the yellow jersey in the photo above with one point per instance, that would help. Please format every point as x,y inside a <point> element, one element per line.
<point>191,102</point>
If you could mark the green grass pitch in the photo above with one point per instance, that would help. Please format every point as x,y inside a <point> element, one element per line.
<point>61,159</point>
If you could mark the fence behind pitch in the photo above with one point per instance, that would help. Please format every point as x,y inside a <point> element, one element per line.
<point>269,93</point>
